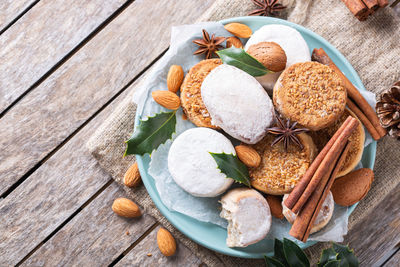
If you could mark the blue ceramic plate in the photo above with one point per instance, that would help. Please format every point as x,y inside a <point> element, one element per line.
<point>213,236</point>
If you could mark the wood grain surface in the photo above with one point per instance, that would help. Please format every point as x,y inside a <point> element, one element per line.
<point>146,253</point>
<point>11,9</point>
<point>42,37</point>
<point>66,99</point>
<point>372,238</point>
<point>95,237</point>
<point>394,261</point>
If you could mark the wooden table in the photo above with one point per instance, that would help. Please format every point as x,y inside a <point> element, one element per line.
<point>64,66</point>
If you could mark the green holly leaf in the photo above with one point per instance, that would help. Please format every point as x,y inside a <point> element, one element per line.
<point>271,262</point>
<point>239,58</point>
<point>335,263</point>
<point>327,255</point>
<point>346,256</point>
<point>151,132</point>
<point>279,254</point>
<point>294,254</point>
<point>232,167</point>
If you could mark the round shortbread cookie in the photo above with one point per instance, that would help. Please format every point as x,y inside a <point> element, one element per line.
<point>237,103</point>
<point>280,171</point>
<point>291,41</point>
<point>248,215</point>
<point>323,217</point>
<point>356,142</point>
<point>191,165</point>
<point>311,94</point>
<point>191,101</point>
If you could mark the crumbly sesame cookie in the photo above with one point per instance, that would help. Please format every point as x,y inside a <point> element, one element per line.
<point>311,94</point>
<point>192,103</point>
<point>279,171</point>
<point>356,142</point>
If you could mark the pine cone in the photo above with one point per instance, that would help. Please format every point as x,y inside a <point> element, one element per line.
<point>388,109</point>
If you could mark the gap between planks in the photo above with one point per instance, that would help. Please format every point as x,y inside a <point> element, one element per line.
<point>41,162</point>
<point>68,55</point>
<point>23,12</point>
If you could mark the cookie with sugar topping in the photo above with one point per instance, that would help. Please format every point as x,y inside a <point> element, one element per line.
<point>280,170</point>
<point>311,94</point>
<point>191,101</point>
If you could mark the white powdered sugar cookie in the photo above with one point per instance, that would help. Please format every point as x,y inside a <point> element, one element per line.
<point>291,41</point>
<point>192,166</point>
<point>237,103</point>
<point>248,215</point>
<point>323,217</point>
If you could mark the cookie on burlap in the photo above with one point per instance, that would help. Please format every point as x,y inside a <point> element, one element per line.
<point>191,101</point>
<point>311,94</point>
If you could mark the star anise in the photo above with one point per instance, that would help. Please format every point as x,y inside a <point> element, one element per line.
<point>208,45</point>
<point>266,8</point>
<point>286,133</point>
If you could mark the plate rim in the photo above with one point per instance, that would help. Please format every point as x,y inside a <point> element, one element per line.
<point>168,214</point>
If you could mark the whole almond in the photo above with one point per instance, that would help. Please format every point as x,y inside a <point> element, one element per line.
<point>352,187</point>
<point>233,41</point>
<point>126,208</point>
<point>132,176</point>
<point>248,155</point>
<point>238,29</point>
<point>166,242</point>
<point>174,78</point>
<point>167,99</point>
<point>275,205</point>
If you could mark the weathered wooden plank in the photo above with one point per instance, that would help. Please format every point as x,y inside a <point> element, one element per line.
<point>380,233</point>
<point>95,237</point>
<point>56,108</point>
<point>42,37</point>
<point>51,194</point>
<point>11,9</point>
<point>394,260</point>
<point>146,253</point>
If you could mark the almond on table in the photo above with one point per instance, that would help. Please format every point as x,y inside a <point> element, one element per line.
<point>166,242</point>
<point>126,208</point>
<point>132,176</point>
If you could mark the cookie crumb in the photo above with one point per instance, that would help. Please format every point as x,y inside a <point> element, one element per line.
<point>127,233</point>
<point>149,254</point>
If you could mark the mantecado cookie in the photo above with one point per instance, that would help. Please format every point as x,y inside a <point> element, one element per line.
<point>280,170</point>
<point>248,215</point>
<point>191,165</point>
<point>191,101</point>
<point>311,94</point>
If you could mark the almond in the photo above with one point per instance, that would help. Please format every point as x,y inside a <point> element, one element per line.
<point>248,155</point>
<point>174,78</point>
<point>238,29</point>
<point>126,208</point>
<point>166,99</point>
<point>166,242</point>
<point>234,41</point>
<point>352,187</point>
<point>275,205</point>
<point>132,176</point>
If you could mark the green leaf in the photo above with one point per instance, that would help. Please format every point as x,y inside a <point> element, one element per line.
<point>346,256</point>
<point>271,262</point>
<point>294,254</point>
<point>279,254</point>
<point>239,58</point>
<point>334,263</point>
<point>328,254</point>
<point>151,133</point>
<point>232,167</point>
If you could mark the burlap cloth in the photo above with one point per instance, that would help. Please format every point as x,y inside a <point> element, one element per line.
<point>372,47</point>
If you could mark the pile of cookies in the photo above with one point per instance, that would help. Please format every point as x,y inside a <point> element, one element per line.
<point>282,121</point>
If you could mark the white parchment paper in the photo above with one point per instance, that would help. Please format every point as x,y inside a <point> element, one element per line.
<point>176,199</point>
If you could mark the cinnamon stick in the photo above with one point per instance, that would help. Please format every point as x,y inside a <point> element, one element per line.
<point>357,7</point>
<point>305,219</point>
<point>305,180</point>
<point>321,56</point>
<point>371,4</point>
<point>370,128</point>
<point>326,164</point>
